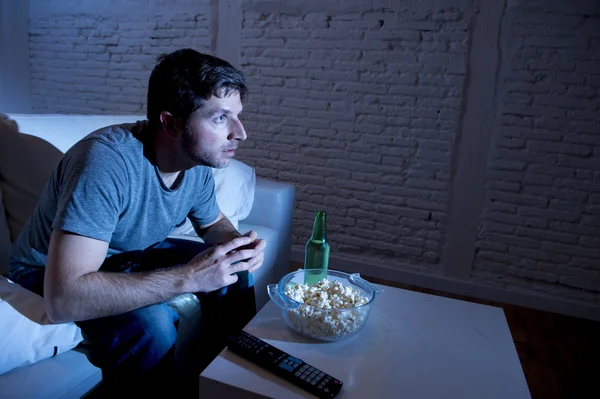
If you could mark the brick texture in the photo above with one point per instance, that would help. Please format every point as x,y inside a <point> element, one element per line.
<point>359,104</point>
<point>87,62</point>
<point>359,110</point>
<point>541,222</point>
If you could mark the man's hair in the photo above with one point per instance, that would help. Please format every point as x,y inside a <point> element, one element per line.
<point>184,80</point>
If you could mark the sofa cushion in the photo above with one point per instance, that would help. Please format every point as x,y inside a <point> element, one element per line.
<point>28,336</point>
<point>6,126</point>
<point>4,240</point>
<point>26,163</point>
<point>68,375</point>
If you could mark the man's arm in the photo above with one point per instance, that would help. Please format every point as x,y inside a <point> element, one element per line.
<point>219,231</point>
<point>75,290</point>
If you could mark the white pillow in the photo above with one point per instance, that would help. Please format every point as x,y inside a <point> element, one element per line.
<point>28,336</point>
<point>235,186</point>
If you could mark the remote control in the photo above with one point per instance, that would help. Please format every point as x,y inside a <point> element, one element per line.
<point>280,363</point>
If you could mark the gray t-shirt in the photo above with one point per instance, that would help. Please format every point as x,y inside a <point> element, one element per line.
<point>106,187</point>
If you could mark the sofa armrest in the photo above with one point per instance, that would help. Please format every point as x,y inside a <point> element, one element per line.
<point>273,207</point>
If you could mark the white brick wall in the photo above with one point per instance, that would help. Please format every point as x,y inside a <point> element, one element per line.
<point>362,108</point>
<point>96,60</point>
<point>541,220</point>
<point>359,110</point>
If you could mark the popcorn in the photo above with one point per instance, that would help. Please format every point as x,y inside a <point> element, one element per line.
<point>329,310</point>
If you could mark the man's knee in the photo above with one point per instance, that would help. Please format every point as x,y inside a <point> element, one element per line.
<point>157,329</point>
<point>136,341</point>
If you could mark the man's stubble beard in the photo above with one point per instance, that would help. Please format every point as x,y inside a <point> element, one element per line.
<point>203,158</point>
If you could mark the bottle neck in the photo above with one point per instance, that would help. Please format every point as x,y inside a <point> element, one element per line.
<point>319,229</point>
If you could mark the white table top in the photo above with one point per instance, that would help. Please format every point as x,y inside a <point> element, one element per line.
<point>414,345</point>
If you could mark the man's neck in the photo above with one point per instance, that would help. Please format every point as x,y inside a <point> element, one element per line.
<point>167,155</point>
<point>163,152</point>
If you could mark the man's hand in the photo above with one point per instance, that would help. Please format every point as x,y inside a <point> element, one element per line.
<point>257,244</point>
<point>216,267</point>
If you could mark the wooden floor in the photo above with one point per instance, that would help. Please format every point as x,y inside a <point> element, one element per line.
<point>560,355</point>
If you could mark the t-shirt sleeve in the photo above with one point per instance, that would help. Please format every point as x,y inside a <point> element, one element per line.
<point>205,209</point>
<point>93,183</point>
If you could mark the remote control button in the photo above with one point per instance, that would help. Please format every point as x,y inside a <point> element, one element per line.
<point>326,390</point>
<point>297,373</point>
<point>311,369</point>
<point>286,367</point>
<point>313,382</point>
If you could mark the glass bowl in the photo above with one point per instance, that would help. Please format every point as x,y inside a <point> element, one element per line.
<point>319,323</point>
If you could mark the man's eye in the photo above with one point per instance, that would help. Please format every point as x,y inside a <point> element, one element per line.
<point>220,119</point>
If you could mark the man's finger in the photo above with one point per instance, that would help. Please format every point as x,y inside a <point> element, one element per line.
<point>239,267</point>
<point>243,255</point>
<point>257,264</point>
<point>261,245</point>
<point>231,279</point>
<point>252,234</point>
<point>258,245</point>
<point>223,249</point>
<point>248,251</point>
<point>253,261</point>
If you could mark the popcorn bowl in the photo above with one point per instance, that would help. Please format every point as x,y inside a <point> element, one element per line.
<point>317,322</point>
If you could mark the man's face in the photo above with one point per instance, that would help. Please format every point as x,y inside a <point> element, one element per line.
<point>213,132</point>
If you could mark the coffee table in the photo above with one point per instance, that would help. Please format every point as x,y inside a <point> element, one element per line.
<point>414,345</point>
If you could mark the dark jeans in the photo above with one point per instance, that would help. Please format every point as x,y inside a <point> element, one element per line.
<point>135,349</point>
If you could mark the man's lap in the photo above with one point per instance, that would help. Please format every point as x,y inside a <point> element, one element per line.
<point>237,301</point>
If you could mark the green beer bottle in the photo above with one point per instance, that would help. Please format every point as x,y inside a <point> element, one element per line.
<point>317,251</point>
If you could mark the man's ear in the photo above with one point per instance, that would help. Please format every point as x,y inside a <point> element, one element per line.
<point>171,125</point>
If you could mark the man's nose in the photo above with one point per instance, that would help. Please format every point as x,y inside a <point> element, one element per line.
<point>237,131</point>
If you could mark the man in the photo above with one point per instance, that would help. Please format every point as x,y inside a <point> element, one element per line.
<point>96,245</point>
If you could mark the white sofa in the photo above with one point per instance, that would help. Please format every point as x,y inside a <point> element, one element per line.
<point>69,374</point>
